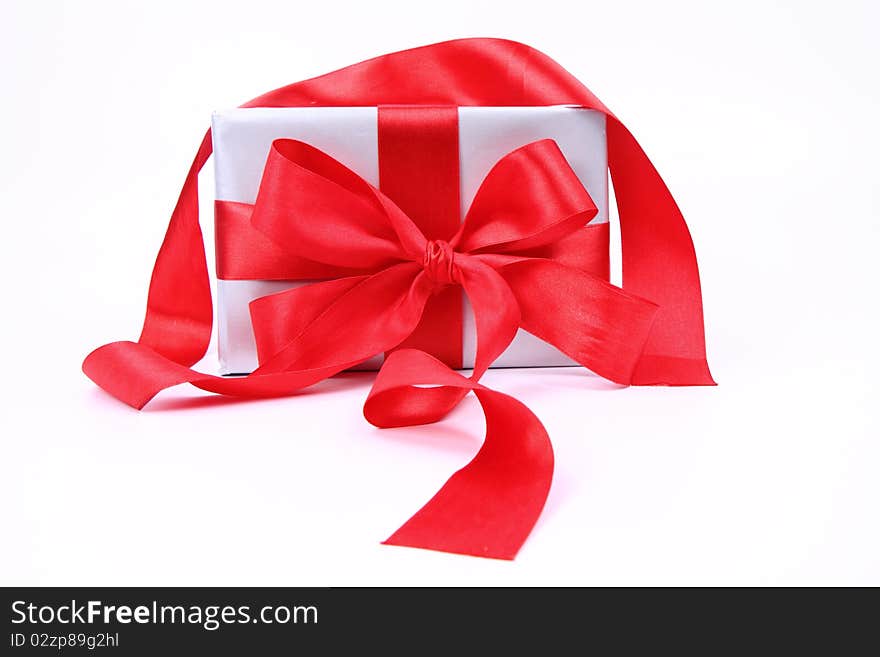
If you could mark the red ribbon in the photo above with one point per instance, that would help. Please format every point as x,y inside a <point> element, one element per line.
<point>509,256</point>
<point>419,170</point>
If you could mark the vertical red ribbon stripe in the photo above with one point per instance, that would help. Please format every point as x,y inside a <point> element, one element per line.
<point>419,171</point>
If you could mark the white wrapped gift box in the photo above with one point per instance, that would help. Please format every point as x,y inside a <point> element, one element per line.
<point>242,138</point>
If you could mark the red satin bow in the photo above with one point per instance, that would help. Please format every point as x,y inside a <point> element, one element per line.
<point>313,207</point>
<point>506,256</point>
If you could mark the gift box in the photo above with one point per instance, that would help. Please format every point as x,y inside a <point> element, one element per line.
<point>242,139</point>
<point>357,210</point>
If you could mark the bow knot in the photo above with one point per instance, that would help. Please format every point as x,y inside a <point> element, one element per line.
<point>439,263</point>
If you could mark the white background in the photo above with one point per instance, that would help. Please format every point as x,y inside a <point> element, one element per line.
<point>762,117</point>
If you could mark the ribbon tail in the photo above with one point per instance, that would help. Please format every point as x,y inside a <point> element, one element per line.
<point>179,308</point>
<point>489,507</point>
<point>279,318</point>
<point>590,320</point>
<point>660,264</point>
<point>177,325</point>
<point>369,315</point>
<point>134,372</point>
<point>497,318</point>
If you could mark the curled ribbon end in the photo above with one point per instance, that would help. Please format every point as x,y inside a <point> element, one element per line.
<point>671,371</point>
<point>146,372</point>
<point>488,508</point>
<point>400,539</point>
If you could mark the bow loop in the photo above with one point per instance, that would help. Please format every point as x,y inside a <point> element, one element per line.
<point>315,207</point>
<point>530,198</point>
